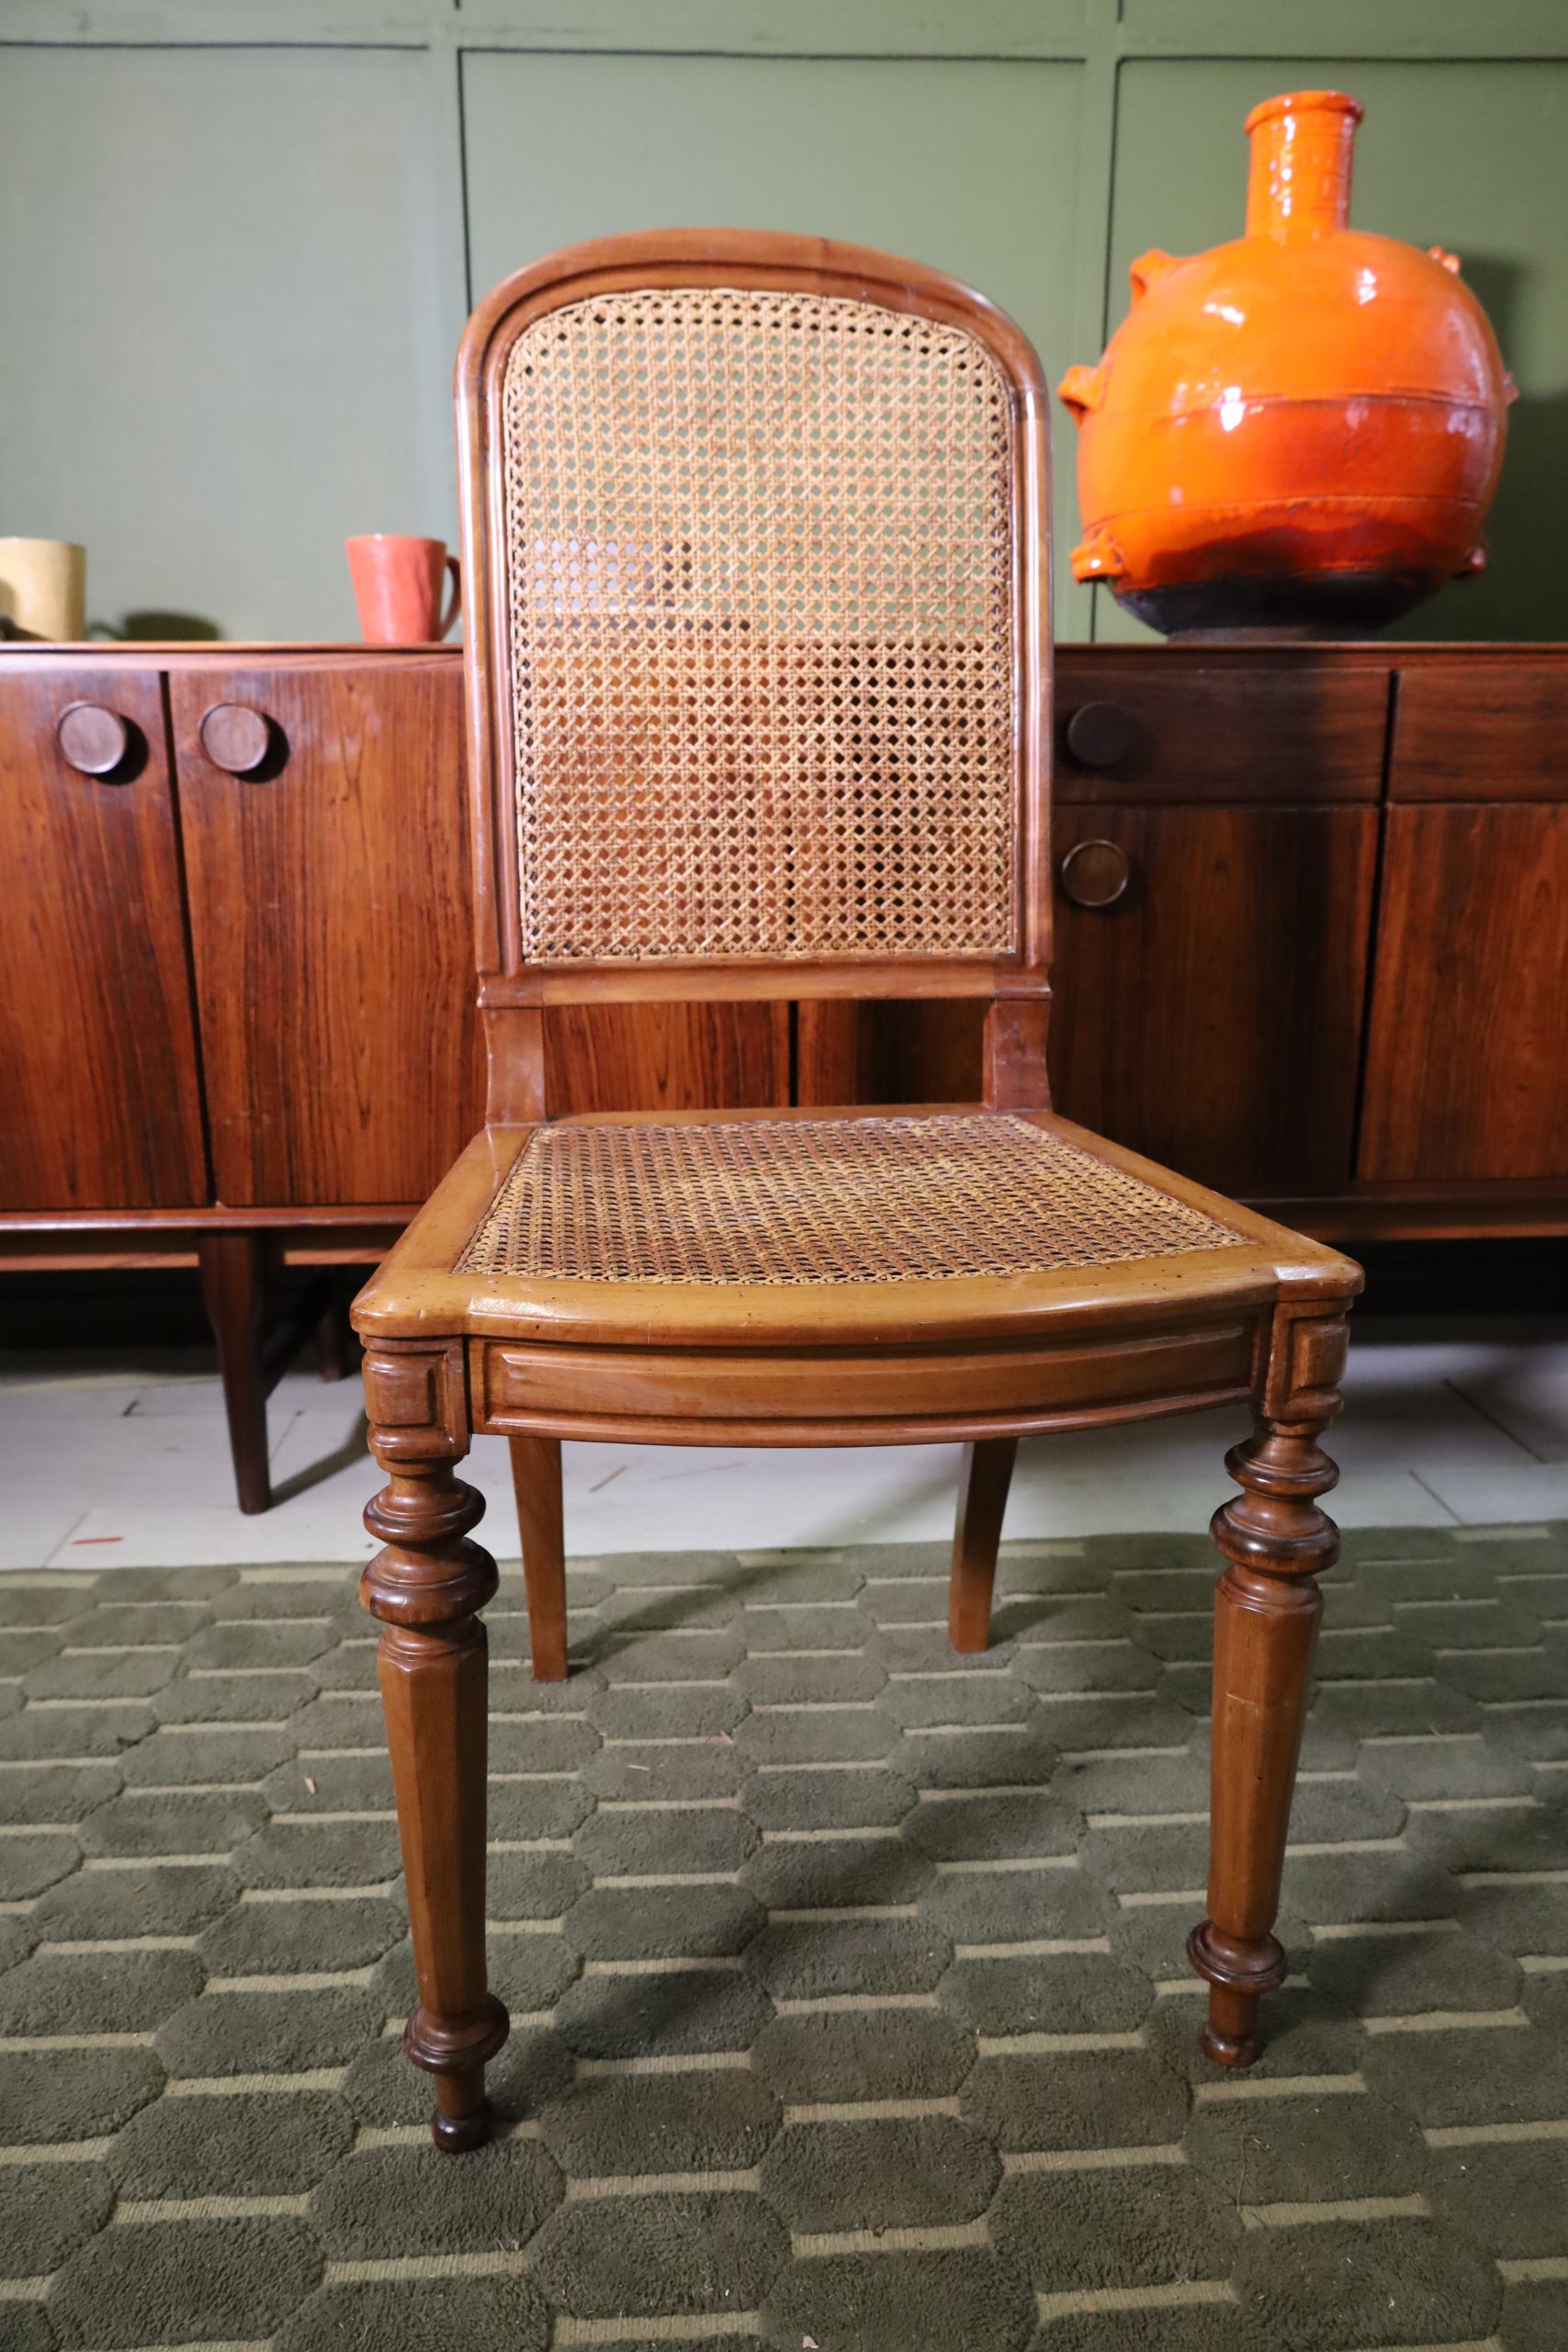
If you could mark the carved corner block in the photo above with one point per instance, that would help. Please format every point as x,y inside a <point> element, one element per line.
<point>1306,1364</point>
<point>416,1400</point>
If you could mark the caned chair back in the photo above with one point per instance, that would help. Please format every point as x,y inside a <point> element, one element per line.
<point>757,625</point>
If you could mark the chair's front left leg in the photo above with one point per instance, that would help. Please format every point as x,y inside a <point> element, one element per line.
<point>1267,1608</point>
<point>426,1585</point>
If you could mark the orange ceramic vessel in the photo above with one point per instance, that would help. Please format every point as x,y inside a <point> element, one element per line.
<point>1302,429</point>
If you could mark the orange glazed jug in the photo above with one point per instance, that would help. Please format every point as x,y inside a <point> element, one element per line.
<point>1301,430</point>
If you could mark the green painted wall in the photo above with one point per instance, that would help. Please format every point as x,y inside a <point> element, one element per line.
<point>238,238</point>
<point>222,347</point>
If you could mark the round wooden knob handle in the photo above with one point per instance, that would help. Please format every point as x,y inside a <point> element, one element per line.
<point>235,736</point>
<point>1098,734</point>
<point>1095,874</point>
<point>95,740</point>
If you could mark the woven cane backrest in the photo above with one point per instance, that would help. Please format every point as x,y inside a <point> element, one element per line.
<point>755,579</point>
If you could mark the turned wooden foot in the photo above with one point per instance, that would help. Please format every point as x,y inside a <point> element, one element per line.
<point>982,1498</point>
<point>425,1587</point>
<point>1266,1612</point>
<point>536,1476</point>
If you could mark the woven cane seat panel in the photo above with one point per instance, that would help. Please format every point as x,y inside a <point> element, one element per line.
<point>759,603</point>
<point>875,1200</point>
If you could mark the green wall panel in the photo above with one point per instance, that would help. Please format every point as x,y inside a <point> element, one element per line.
<point>224,348</point>
<point>233,271</point>
<point>1471,155</point>
<point>970,165</point>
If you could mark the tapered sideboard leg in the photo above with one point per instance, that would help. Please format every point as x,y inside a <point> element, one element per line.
<point>334,1337</point>
<point>232,1266</point>
<point>426,1585</point>
<point>536,1476</point>
<point>982,1498</point>
<point>1266,1612</point>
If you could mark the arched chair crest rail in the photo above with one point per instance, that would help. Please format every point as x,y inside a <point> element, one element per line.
<point>757,676</point>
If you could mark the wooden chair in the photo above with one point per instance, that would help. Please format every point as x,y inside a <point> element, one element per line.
<point>757,675</point>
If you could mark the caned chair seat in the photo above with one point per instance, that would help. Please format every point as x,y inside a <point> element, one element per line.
<point>847,1278</point>
<point>874,1200</point>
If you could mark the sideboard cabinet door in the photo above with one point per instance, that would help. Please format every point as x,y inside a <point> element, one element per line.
<point>1208,980</point>
<point>99,1102</point>
<point>326,848</point>
<point>1467,1056</point>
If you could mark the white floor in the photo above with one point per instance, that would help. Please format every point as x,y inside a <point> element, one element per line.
<point>119,1461</point>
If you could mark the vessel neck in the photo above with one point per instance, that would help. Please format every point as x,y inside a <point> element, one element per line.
<point>1299,180</point>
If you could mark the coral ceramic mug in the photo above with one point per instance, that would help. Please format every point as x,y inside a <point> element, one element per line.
<point>397,585</point>
<point>43,590</point>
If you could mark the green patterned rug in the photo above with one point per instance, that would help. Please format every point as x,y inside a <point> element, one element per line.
<point>849,2002</point>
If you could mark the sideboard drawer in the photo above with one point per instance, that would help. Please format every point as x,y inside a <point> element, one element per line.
<point>1484,728</point>
<point>1221,727</point>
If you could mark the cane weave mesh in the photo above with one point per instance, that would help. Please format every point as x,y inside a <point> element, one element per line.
<point>759,551</point>
<point>821,1200</point>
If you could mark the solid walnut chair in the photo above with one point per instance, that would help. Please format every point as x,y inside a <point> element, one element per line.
<point>757,672</point>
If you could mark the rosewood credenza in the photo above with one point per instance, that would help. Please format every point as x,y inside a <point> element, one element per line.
<point>1312,947</point>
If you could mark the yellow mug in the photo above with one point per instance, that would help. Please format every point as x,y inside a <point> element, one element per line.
<point>43,590</point>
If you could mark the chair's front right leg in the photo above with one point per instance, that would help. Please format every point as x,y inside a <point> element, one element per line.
<point>426,1587</point>
<point>1267,1608</point>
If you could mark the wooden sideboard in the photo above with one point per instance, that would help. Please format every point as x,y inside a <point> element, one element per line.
<point>1312,947</point>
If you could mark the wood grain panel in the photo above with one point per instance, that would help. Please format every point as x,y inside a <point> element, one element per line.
<point>1211,1016</point>
<point>99,1099</point>
<point>1467,1056</point>
<point>919,1050</point>
<point>841,1385</point>
<point>333,933</point>
<point>665,1057</point>
<point>814,1383</point>
<point>1480,729</point>
<point>1217,726</point>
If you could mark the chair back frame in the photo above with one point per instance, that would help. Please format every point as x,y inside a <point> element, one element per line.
<point>514,990</point>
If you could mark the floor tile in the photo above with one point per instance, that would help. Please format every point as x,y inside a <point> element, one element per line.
<point>31,1532</point>
<point>1524,1391</point>
<point>173,1537</point>
<point>202,1392</point>
<point>1446,1418</point>
<point>1534,1490</point>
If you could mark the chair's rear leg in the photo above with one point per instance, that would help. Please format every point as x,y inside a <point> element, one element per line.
<point>982,1498</point>
<point>535,1475</point>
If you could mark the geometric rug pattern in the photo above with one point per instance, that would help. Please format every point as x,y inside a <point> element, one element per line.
<point>848,2005</point>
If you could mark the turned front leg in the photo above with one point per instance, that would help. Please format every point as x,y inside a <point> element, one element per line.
<point>425,1587</point>
<point>1266,1614</point>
